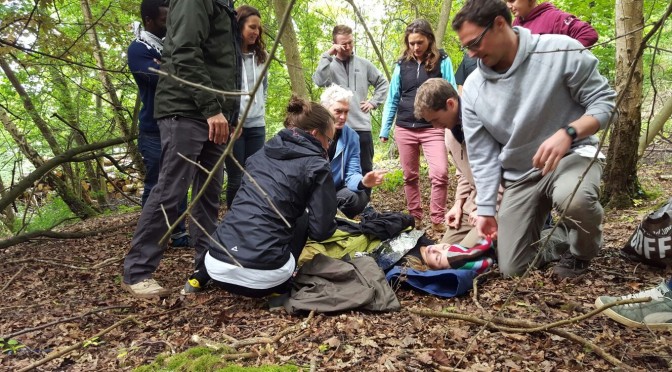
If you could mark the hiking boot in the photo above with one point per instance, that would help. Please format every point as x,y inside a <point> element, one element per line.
<point>554,249</point>
<point>148,288</point>
<point>179,240</point>
<point>192,286</point>
<point>656,314</point>
<point>418,223</point>
<point>570,266</point>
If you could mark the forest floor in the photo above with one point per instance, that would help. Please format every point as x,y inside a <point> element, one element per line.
<point>58,294</point>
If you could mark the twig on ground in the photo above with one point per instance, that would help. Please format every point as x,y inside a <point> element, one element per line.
<point>9,282</point>
<point>57,235</point>
<point>69,266</point>
<point>69,349</point>
<point>474,294</point>
<point>65,320</point>
<point>235,344</point>
<point>523,326</point>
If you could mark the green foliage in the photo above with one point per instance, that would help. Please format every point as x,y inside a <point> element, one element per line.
<point>10,346</point>
<point>393,181</point>
<point>204,359</point>
<point>53,212</point>
<point>58,72</point>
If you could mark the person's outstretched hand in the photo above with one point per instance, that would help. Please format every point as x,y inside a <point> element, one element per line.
<point>486,227</point>
<point>373,178</point>
<point>454,217</point>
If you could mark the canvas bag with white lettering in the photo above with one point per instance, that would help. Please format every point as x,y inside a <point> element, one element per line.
<point>651,243</point>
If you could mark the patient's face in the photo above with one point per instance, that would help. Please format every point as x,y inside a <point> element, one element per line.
<point>435,256</point>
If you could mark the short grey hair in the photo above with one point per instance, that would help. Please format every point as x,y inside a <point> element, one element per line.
<point>335,93</point>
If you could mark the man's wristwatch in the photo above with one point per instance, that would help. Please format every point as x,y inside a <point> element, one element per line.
<point>571,132</point>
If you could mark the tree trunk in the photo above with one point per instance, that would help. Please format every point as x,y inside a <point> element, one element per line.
<point>443,21</point>
<point>76,204</point>
<point>371,39</point>
<point>105,78</point>
<point>656,126</point>
<point>620,176</point>
<point>30,108</point>
<point>7,215</point>
<point>292,55</point>
<point>78,135</point>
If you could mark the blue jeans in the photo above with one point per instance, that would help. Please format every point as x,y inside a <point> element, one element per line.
<point>149,145</point>
<point>250,141</point>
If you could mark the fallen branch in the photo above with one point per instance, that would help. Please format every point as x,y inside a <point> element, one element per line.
<point>69,349</point>
<point>57,235</point>
<point>46,325</point>
<point>57,263</point>
<point>474,293</point>
<point>9,282</point>
<point>235,344</point>
<point>523,326</point>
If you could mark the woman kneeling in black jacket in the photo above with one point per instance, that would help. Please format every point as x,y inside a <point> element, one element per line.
<point>293,170</point>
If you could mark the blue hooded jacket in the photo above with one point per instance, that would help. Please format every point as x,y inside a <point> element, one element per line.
<point>345,166</point>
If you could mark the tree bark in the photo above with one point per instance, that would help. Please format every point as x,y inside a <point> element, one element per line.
<point>76,204</point>
<point>620,175</point>
<point>117,108</point>
<point>70,117</point>
<point>372,39</point>
<point>292,54</point>
<point>7,212</point>
<point>656,126</point>
<point>443,21</point>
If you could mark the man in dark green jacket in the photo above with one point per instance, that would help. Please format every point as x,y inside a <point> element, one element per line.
<point>202,47</point>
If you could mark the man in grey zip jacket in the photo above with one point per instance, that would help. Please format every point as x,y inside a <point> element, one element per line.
<point>530,112</point>
<point>340,66</point>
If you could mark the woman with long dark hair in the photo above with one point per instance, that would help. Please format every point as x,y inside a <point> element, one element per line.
<point>254,128</point>
<point>420,61</point>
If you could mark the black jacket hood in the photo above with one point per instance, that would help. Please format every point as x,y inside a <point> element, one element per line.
<point>293,143</point>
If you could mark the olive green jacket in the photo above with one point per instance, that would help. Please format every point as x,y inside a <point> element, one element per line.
<point>202,46</point>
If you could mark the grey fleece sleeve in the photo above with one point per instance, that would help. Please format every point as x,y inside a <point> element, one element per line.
<point>483,152</point>
<point>379,83</point>
<point>589,88</point>
<point>322,76</point>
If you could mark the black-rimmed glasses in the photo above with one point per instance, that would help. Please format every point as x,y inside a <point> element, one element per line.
<point>474,44</point>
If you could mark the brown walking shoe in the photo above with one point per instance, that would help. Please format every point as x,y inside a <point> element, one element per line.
<point>148,288</point>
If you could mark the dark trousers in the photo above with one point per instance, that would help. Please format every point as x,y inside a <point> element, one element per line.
<point>188,137</point>
<point>149,145</point>
<point>351,203</point>
<point>296,246</point>
<point>250,141</point>
<point>366,154</point>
